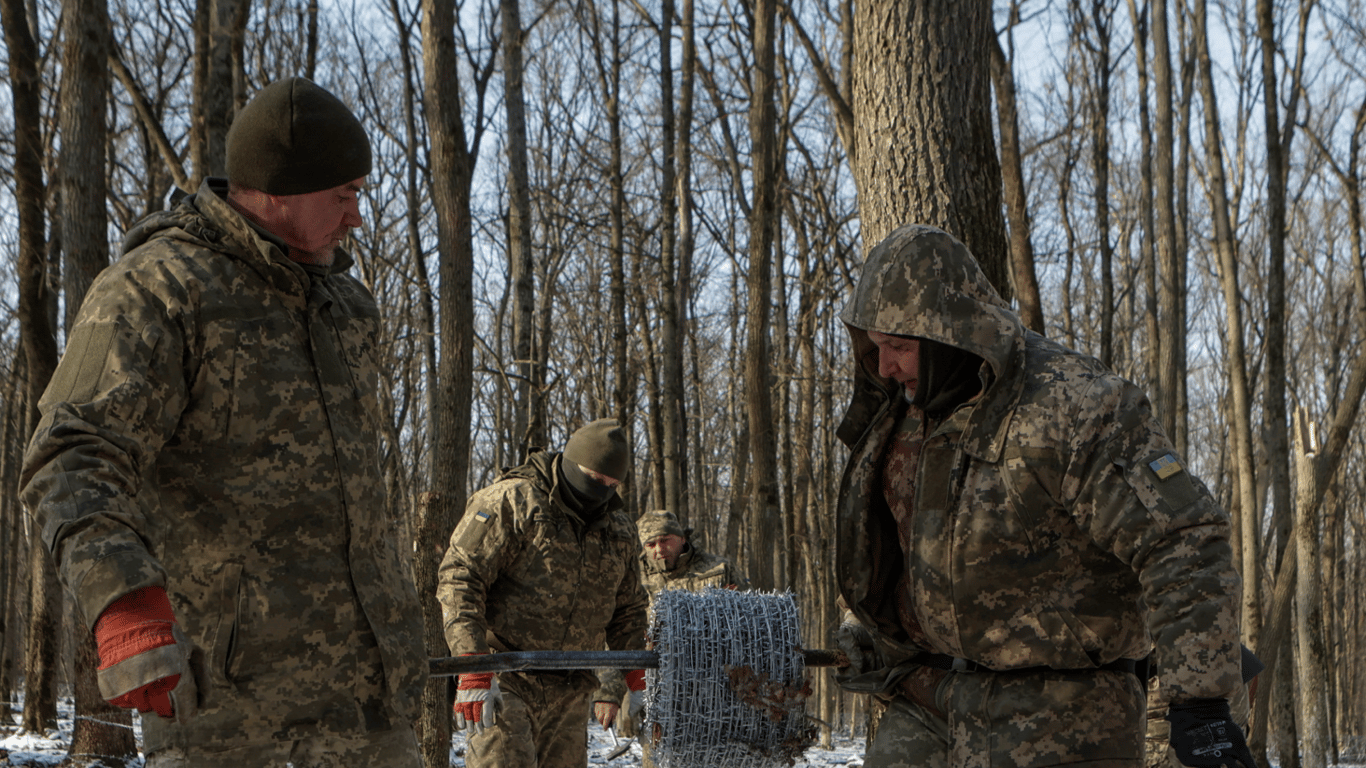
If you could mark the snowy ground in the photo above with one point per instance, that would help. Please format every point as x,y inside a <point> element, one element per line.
<point>46,751</point>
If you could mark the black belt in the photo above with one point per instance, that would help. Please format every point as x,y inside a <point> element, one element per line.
<point>949,663</point>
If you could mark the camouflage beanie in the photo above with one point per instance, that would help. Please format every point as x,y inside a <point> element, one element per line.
<point>658,523</point>
<point>293,138</point>
<point>600,446</point>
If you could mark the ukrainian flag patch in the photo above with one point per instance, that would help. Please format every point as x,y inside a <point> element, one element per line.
<point>1165,466</point>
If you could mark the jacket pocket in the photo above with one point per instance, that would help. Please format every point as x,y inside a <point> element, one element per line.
<point>223,640</point>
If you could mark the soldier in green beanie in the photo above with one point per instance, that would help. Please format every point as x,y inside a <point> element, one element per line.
<point>543,559</point>
<point>207,468</point>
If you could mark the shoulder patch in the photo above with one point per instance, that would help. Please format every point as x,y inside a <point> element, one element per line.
<point>474,530</point>
<point>1165,466</point>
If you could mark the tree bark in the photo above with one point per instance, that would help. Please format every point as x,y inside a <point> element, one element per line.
<point>452,157</point>
<point>1172,289</point>
<point>1310,657</point>
<point>1024,280</point>
<point>765,516</point>
<point>529,431</point>
<point>925,152</point>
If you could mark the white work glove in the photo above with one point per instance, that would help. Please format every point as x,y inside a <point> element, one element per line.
<point>635,705</point>
<point>477,701</point>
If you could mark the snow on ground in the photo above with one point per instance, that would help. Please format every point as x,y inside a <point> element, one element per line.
<point>47,750</point>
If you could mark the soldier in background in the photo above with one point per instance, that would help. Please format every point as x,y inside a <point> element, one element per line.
<point>670,560</point>
<point>543,559</point>
<point>207,475</point>
<point>1014,533</point>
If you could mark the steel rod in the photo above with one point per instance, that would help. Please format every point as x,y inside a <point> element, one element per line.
<point>544,661</point>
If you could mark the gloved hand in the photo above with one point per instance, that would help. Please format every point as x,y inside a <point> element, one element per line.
<point>477,700</point>
<point>145,657</point>
<point>635,681</point>
<point>1204,735</point>
<point>857,643</point>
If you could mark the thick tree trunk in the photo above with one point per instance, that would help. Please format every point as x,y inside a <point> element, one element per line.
<point>925,151</point>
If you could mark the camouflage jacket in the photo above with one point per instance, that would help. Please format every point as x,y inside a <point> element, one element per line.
<point>211,428</point>
<point>1054,525</point>
<point>695,570</point>
<point>524,573</point>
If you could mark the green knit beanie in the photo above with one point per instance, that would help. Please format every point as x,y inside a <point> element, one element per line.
<point>601,446</point>
<point>294,137</point>
<point>657,523</point>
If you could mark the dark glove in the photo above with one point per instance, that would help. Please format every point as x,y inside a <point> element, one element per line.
<point>1204,735</point>
<point>144,657</point>
<point>858,644</point>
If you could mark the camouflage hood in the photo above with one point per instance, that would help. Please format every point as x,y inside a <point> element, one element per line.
<point>923,282</point>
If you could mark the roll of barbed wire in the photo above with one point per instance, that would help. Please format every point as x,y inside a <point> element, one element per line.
<point>730,689</point>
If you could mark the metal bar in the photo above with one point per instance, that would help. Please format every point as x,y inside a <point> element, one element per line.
<point>517,661</point>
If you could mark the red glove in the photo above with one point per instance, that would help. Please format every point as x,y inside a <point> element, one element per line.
<point>477,700</point>
<point>635,681</point>
<point>133,673</point>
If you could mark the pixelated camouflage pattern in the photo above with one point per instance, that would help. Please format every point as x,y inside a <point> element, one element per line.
<point>1158,752</point>
<point>524,573</point>
<point>1043,536</point>
<point>211,428</point>
<point>541,725</point>
<point>1017,721</point>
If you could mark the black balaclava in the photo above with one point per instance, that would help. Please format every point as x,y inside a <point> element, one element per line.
<point>948,377</point>
<point>586,495</point>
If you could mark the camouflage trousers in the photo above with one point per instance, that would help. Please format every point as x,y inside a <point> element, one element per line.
<point>1159,753</point>
<point>543,724</point>
<point>385,749</point>
<point>1016,721</point>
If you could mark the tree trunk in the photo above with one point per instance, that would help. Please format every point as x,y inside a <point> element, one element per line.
<point>765,516</point>
<point>1172,289</point>
<point>1247,512</point>
<point>672,404</point>
<point>1147,228</point>
<point>1310,657</point>
<point>452,158</point>
<point>39,343</point>
<point>1024,280</point>
<point>925,152</point>
<point>529,433</point>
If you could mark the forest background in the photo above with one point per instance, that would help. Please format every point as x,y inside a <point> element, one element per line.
<point>655,210</point>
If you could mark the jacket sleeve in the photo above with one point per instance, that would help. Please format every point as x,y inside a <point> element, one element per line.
<point>112,403</point>
<point>626,629</point>
<point>486,540</point>
<point>1137,498</point>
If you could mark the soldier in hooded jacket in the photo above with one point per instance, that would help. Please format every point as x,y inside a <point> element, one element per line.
<point>670,560</point>
<point>543,559</point>
<point>1015,531</point>
<point>206,474</point>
